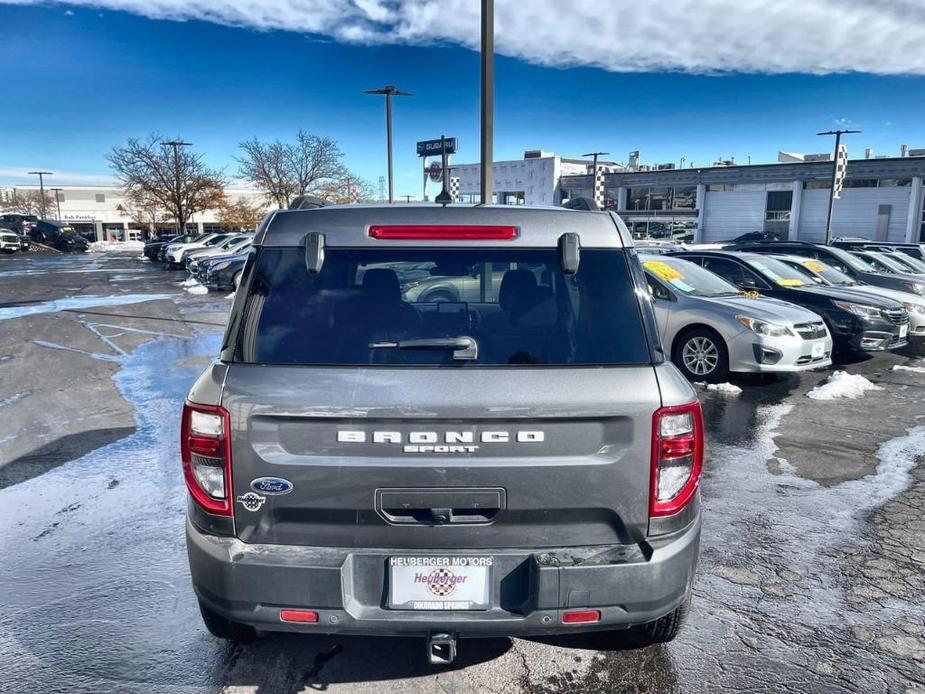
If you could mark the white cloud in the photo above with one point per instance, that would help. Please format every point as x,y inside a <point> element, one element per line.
<point>10,175</point>
<point>701,36</point>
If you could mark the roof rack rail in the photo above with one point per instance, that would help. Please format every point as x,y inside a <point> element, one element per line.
<point>307,202</point>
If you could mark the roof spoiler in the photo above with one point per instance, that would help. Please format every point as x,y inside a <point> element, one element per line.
<point>586,204</point>
<point>307,202</point>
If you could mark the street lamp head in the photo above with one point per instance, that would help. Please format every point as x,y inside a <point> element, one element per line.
<point>175,143</point>
<point>839,132</point>
<point>388,90</point>
<point>596,154</point>
<point>41,173</point>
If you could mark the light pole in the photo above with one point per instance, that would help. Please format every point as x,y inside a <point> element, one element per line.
<point>388,92</point>
<point>594,175</point>
<point>177,144</point>
<point>41,175</point>
<point>488,100</point>
<point>828,222</point>
<point>58,200</point>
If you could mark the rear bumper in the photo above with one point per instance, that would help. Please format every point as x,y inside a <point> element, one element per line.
<point>630,584</point>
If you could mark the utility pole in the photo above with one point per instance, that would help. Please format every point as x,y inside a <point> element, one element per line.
<point>838,175</point>
<point>488,100</point>
<point>388,92</point>
<point>58,200</point>
<point>177,144</point>
<point>41,175</point>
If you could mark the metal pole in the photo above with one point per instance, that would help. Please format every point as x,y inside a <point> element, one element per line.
<point>177,144</point>
<point>488,99</point>
<point>828,220</point>
<point>58,201</point>
<point>388,135</point>
<point>41,175</point>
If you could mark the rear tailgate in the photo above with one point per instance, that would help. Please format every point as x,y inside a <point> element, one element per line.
<point>518,457</point>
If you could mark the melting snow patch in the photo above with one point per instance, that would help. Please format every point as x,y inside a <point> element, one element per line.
<point>841,384</point>
<point>104,246</point>
<point>230,296</point>
<point>189,282</point>
<point>913,369</point>
<point>725,388</point>
<point>77,302</point>
<point>197,289</point>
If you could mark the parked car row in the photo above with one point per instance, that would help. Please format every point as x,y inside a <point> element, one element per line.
<point>778,306</point>
<point>29,228</point>
<point>215,260</point>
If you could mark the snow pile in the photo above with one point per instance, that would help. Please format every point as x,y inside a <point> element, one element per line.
<point>197,289</point>
<point>725,388</point>
<point>230,296</point>
<point>106,246</point>
<point>189,282</point>
<point>842,385</point>
<point>913,369</point>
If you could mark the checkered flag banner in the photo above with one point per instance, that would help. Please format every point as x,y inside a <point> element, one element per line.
<point>454,188</point>
<point>841,170</point>
<point>599,186</point>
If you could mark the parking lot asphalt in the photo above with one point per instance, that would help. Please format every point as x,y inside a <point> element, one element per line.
<point>813,557</point>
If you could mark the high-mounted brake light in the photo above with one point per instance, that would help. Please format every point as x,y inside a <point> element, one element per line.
<point>442,232</point>
<point>206,453</point>
<point>677,458</point>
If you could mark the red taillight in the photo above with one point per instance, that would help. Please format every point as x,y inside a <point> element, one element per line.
<point>442,232</point>
<point>677,458</point>
<point>581,616</point>
<point>303,616</point>
<point>206,453</point>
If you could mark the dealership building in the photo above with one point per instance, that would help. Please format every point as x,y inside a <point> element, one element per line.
<point>882,197</point>
<point>102,212</point>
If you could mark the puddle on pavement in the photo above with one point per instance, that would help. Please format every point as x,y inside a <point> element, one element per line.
<point>77,302</point>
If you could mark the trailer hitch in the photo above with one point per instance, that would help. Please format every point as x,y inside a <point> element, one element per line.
<point>441,649</point>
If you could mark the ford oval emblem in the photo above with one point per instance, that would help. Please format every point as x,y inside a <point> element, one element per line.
<point>271,485</point>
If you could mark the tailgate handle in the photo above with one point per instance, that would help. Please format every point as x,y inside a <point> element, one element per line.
<point>440,506</point>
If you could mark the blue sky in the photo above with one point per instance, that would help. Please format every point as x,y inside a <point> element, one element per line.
<point>80,79</point>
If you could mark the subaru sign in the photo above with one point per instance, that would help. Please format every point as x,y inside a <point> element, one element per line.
<point>431,148</point>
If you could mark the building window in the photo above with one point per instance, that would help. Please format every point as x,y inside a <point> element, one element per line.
<point>100,197</point>
<point>895,182</point>
<point>721,188</point>
<point>778,206</point>
<point>685,197</point>
<point>860,183</point>
<point>817,185</point>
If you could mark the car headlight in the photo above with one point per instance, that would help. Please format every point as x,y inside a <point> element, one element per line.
<point>916,287</point>
<point>914,308</point>
<point>862,310</point>
<point>764,327</point>
<point>221,266</point>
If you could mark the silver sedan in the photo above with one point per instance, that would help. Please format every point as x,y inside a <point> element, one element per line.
<point>711,328</point>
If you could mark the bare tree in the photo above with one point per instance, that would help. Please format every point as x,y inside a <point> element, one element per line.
<point>240,214</point>
<point>145,211</point>
<point>346,189</point>
<point>26,202</point>
<point>177,178</point>
<point>284,170</point>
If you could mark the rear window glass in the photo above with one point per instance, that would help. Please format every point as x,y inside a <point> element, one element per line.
<point>365,306</point>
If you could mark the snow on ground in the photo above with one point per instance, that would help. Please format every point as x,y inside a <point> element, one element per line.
<point>230,296</point>
<point>913,369</point>
<point>725,388</point>
<point>189,282</point>
<point>841,384</point>
<point>197,289</point>
<point>106,246</point>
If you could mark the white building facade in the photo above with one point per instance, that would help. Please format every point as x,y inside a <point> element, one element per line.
<point>104,213</point>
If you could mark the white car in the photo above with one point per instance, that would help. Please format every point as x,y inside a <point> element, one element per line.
<point>9,242</point>
<point>174,254</point>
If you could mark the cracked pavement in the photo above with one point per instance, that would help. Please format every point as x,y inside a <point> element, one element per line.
<point>813,553</point>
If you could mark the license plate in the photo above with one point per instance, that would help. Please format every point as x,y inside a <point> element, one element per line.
<point>903,331</point>
<point>440,583</point>
<point>818,349</point>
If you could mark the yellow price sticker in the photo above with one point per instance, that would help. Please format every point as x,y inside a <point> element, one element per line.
<point>815,265</point>
<point>663,270</point>
<point>790,283</point>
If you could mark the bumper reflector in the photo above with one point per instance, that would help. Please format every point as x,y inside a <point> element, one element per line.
<point>309,616</point>
<point>581,616</point>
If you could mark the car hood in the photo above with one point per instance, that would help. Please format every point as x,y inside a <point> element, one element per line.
<point>846,295</point>
<point>867,290</point>
<point>763,308</point>
<point>898,276</point>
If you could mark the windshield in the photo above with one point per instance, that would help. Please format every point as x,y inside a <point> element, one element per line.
<point>895,263</point>
<point>688,278</point>
<point>216,240</point>
<point>777,272</point>
<point>416,307</point>
<point>826,272</point>
<point>852,260</point>
<point>917,265</point>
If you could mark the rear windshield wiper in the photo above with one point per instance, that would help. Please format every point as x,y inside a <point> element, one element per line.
<point>464,348</point>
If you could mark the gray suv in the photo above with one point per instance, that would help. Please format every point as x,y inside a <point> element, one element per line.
<point>524,461</point>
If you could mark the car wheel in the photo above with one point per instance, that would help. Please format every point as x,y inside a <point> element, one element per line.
<point>701,355</point>
<point>438,296</point>
<point>236,280</point>
<point>661,630</point>
<point>8,251</point>
<point>224,628</point>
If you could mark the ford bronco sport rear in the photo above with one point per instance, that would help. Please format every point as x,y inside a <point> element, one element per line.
<point>510,456</point>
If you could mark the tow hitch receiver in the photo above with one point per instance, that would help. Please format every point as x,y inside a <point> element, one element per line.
<point>441,649</point>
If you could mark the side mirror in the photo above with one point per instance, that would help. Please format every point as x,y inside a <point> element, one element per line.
<point>747,283</point>
<point>314,252</point>
<point>569,252</point>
